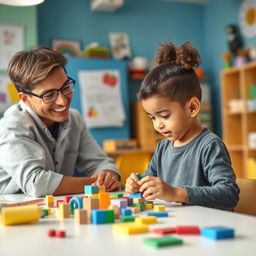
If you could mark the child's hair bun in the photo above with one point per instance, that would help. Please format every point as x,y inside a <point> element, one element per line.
<point>186,56</point>
<point>165,53</point>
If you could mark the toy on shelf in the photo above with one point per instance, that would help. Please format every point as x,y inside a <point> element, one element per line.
<point>94,50</point>
<point>138,68</point>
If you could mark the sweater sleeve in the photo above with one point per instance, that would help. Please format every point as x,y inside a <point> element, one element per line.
<point>23,160</point>
<point>222,191</point>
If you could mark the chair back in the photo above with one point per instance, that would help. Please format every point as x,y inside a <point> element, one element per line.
<point>132,162</point>
<point>247,202</point>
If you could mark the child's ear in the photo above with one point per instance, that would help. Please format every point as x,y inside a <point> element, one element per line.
<point>194,106</point>
<point>25,98</point>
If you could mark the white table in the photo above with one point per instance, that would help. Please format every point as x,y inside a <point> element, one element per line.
<point>99,240</point>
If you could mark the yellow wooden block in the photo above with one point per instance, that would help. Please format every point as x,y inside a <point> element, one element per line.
<point>146,220</point>
<point>49,199</point>
<point>159,208</point>
<point>101,189</point>
<point>92,195</point>
<point>130,228</point>
<point>148,206</point>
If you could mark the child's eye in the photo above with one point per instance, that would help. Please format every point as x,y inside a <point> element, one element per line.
<point>152,118</point>
<point>166,116</point>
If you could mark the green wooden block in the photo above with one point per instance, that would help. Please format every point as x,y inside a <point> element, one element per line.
<point>142,206</point>
<point>162,241</point>
<point>118,195</point>
<point>128,218</point>
<point>110,216</point>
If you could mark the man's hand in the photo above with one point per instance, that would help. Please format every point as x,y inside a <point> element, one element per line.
<point>108,179</point>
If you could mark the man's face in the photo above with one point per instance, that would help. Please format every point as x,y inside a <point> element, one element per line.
<point>56,111</point>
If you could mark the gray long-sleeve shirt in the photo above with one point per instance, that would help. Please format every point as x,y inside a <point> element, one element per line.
<point>32,161</point>
<point>202,167</point>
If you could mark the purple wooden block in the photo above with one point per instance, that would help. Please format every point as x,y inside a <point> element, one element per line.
<point>121,203</point>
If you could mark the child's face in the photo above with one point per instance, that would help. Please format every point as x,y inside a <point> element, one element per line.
<point>170,118</point>
<point>56,111</point>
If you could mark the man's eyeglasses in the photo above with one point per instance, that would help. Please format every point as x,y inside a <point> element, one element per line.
<point>52,95</point>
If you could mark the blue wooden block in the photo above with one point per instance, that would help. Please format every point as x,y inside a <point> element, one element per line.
<point>138,175</point>
<point>136,195</point>
<point>218,232</point>
<point>91,189</point>
<point>126,212</point>
<point>157,214</point>
<point>98,217</point>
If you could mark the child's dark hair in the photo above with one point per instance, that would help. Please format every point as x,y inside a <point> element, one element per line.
<point>174,76</point>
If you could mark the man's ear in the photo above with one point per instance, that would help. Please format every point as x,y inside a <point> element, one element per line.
<point>25,98</point>
<point>194,106</point>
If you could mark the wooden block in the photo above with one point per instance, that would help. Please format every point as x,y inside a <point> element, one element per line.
<point>218,232</point>
<point>148,206</point>
<point>49,201</point>
<point>116,210</point>
<point>63,211</point>
<point>162,241</point>
<point>104,200</point>
<point>130,228</point>
<point>159,208</point>
<point>80,216</point>
<point>164,231</point>
<point>134,209</point>
<point>187,230</point>
<point>146,220</point>
<point>138,200</point>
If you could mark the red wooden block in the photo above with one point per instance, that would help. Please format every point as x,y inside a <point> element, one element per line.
<point>67,199</point>
<point>51,233</point>
<point>187,230</point>
<point>61,233</point>
<point>164,231</point>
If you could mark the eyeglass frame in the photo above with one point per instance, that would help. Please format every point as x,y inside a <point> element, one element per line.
<point>73,82</point>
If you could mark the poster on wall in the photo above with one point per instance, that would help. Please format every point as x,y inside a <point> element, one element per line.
<point>11,41</point>
<point>8,94</point>
<point>120,46</point>
<point>101,98</point>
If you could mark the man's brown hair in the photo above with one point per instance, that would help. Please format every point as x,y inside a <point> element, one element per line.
<point>29,67</point>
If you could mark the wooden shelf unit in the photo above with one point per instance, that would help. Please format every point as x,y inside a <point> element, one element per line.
<point>237,125</point>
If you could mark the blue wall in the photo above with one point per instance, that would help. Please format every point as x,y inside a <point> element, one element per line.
<point>148,23</point>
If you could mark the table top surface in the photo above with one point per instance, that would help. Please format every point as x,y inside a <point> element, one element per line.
<point>90,239</point>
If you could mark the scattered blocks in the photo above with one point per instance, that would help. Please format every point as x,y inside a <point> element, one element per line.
<point>138,175</point>
<point>146,220</point>
<point>164,231</point>
<point>130,228</point>
<point>56,233</point>
<point>159,208</point>
<point>136,195</point>
<point>60,233</point>
<point>91,189</point>
<point>104,200</point>
<point>75,203</point>
<point>126,212</point>
<point>187,230</point>
<point>162,241</point>
<point>218,232</point>
<point>157,214</point>
<point>128,218</point>
<point>80,216</point>
<point>49,201</point>
<point>121,203</point>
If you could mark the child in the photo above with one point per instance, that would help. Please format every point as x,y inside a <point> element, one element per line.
<point>42,140</point>
<point>191,165</point>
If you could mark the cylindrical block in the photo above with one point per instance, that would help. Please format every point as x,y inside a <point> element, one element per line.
<point>14,215</point>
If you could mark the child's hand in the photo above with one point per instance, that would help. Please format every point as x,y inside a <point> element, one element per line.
<point>131,185</point>
<point>108,179</point>
<point>154,187</point>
